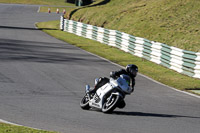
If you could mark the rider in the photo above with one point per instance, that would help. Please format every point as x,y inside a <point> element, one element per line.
<point>130,70</point>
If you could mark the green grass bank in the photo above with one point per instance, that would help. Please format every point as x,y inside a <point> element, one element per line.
<point>173,22</point>
<point>156,72</point>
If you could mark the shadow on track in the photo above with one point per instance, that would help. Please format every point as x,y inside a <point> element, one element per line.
<point>43,52</point>
<point>149,114</point>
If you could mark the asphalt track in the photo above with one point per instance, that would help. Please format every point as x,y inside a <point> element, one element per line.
<point>42,80</point>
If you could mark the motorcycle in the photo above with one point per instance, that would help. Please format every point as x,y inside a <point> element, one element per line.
<point>109,96</point>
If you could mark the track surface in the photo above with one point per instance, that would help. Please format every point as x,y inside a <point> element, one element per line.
<point>42,81</point>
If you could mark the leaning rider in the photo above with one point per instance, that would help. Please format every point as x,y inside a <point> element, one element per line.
<point>130,70</point>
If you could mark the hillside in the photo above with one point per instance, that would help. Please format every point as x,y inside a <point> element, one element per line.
<point>173,22</point>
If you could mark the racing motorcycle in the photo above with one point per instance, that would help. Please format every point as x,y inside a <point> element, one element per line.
<point>109,96</point>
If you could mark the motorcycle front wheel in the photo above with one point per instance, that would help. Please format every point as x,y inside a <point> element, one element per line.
<point>85,103</point>
<point>110,104</point>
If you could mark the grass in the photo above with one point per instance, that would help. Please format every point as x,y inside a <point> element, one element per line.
<point>7,128</point>
<point>173,22</point>
<point>39,2</point>
<point>156,72</point>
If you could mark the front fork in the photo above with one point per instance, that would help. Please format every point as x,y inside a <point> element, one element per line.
<point>87,89</point>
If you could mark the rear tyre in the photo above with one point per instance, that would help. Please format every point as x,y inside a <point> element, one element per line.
<point>110,104</point>
<point>85,103</point>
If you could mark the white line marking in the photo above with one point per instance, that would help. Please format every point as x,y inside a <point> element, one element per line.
<point>38,9</point>
<point>170,86</point>
<point>11,123</point>
<point>3,121</point>
<point>35,25</point>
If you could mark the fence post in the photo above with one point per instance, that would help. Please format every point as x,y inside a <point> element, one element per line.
<point>62,22</point>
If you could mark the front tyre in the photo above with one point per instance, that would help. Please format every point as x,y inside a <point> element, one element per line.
<point>85,103</point>
<point>110,104</point>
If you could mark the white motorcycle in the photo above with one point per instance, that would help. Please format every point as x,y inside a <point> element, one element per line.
<point>108,96</point>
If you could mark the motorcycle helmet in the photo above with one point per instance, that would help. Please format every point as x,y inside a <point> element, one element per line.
<point>132,70</point>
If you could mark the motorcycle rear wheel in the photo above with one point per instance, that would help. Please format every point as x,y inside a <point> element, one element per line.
<point>110,105</point>
<point>85,103</point>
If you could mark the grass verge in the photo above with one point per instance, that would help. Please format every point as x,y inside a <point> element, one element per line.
<point>173,22</point>
<point>156,72</point>
<point>7,128</point>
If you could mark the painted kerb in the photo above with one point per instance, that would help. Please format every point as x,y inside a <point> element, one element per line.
<point>182,61</point>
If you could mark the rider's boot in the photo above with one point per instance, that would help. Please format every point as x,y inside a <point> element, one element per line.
<point>121,104</point>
